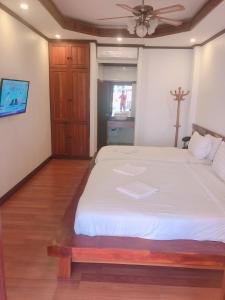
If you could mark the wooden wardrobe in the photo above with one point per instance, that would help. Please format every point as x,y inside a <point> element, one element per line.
<point>70,104</point>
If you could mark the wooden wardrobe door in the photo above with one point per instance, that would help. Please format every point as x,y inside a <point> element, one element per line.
<point>80,56</point>
<point>60,111</point>
<point>59,55</point>
<point>61,138</point>
<point>80,95</point>
<point>59,94</point>
<point>79,140</point>
<point>80,113</point>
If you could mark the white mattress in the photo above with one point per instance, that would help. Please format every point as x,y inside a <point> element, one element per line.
<point>190,203</point>
<point>147,153</point>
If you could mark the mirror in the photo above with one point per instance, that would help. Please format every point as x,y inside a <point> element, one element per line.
<point>122,100</point>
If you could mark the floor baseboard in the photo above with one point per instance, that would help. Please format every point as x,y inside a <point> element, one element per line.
<point>23,181</point>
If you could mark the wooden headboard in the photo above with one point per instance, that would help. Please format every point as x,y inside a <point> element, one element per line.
<point>203,131</point>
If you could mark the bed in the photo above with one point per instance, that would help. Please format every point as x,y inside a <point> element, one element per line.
<point>151,153</point>
<point>147,247</point>
<point>172,212</point>
<point>147,153</point>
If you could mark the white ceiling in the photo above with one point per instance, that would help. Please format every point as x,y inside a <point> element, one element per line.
<point>91,10</point>
<point>44,22</point>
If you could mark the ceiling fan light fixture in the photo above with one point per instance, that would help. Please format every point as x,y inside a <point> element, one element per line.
<point>152,25</point>
<point>141,30</point>
<point>154,22</point>
<point>131,25</point>
<point>150,30</point>
<point>145,19</point>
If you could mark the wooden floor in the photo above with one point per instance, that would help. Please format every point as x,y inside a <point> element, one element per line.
<point>30,220</point>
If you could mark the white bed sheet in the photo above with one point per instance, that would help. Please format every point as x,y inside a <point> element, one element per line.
<point>147,153</point>
<point>190,203</point>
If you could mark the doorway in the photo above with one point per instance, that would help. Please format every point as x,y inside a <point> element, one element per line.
<point>116,104</point>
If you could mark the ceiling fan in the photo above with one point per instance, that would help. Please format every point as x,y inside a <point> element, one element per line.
<point>145,19</point>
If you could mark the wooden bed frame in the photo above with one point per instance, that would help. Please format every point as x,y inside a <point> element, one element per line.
<point>69,247</point>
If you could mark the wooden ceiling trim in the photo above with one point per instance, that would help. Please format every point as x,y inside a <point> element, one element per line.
<point>94,30</point>
<point>21,20</point>
<point>81,26</point>
<point>204,11</point>
<point>143,46</point>
<point>162,31</point>
<point>215,36</point>
<point>168,29</point>
<point>53,10</point>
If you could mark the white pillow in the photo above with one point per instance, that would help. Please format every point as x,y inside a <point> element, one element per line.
<point>219,162</point>
<point>215,145</point>
<point>199,145</point>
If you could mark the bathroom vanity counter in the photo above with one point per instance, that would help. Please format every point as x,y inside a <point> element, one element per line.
<point>115,123</point>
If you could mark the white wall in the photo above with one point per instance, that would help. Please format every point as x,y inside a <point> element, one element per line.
<point>162,70</point>
<point>25,140</point>
<point>211,93</point>
<point>194,88</point>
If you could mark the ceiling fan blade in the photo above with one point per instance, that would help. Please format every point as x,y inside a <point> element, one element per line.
<point>131,9</point>
<point>170,21</point>
<point>169,9</point>
<point>102,19</point>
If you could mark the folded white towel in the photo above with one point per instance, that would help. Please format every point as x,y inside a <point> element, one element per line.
<point>130,170</point>
<point>137,190</point>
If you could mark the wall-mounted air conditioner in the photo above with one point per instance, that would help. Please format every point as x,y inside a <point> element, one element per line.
<point>117,54</point>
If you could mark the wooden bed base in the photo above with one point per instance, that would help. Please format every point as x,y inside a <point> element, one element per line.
<point>69,247</point>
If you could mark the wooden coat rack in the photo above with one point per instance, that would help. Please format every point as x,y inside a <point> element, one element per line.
<point>179,96</point>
